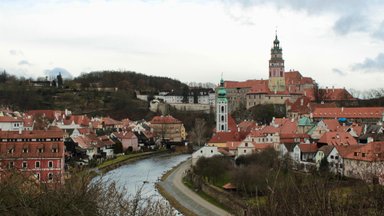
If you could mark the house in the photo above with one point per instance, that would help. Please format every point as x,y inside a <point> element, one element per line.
<point>322,127</point>
<point>337,139</point>
<point>232,147</point>
<point>110,123</point>
<point>168,129</point>
<point>8,123</point>
<point>206,151</point>
<point>286,150</point>
<point>323,152</point>
<point>220,139</point>
<point>128,139</point>
<point>38,153</point>
<point>304,156</point>
<point>245,148</point>
<point>353,114</point>
<point>372,133</point>
<point>365,162</point>
<point>305,152</point>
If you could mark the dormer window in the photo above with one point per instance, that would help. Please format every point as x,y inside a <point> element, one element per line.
<point>11,150</point>
<point>25,150</point>
<point>40,150</point>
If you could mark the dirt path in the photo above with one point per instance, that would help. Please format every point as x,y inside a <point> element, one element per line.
<point>174,186</point>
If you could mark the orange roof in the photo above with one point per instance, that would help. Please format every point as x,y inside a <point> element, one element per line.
<point>262,146</point>
<point>9,119</point>
<point>50,114</point>
<point>332,124</point>
<point>337,138</point>
<point>110,121</point>
<point>165,120</point>
<point>31,134</point>
<point>349,112</point>
<point>82,120</point>
<point>308,148</point>
<point>229,186</point>
<point>335,94</point>
<point>125,135</point>
<point>224,137</point>
<point>247,126</point>
<point>373,151</point>
<point>244,84</point>
<point>301,105</point>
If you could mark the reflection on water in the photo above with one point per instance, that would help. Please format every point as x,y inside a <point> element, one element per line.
<point>144,173</point>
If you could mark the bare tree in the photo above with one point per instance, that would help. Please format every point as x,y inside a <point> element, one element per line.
<point>199,132</point>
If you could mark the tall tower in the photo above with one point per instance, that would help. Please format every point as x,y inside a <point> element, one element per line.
<point>221,109</point>
<point>276,68</point>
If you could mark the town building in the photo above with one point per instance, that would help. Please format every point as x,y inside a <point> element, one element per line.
<point>168,129</point>
<point>38,153</point>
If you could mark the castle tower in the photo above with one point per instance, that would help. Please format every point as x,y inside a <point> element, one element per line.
<point>276,68</point>
<point>221,109</point>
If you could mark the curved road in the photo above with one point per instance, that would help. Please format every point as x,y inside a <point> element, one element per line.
<point>174,186</point>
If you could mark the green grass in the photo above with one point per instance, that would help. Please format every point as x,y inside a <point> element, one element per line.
<point>121,158</point>
<point>205,196</point>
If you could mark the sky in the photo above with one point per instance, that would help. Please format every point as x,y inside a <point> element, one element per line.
<point>337,43</point>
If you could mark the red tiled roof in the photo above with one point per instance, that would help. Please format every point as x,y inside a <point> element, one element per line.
<point>335,94</point>
<point>9,119</point>
<point>165,120</point>
<point>124,135</point>
<point>332,124</point>
<point>262,146</point>
<point>50,114</point>
<point>308,148</point>
<point>349,112</point>
<point>223,137</point>
<point>232,126</point>
<point>373,151</point>
<point>110,121</point>
<point>28,121</point>
<point>337,138</point>
<point>31,134</point>
<point>301,105</point>
<point>247,126</point>
<point>244,84</point>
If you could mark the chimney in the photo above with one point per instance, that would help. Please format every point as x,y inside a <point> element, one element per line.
<point>301,102</point>
<point>342,109</point>
<point>20,130</point>
<point>333,88</point>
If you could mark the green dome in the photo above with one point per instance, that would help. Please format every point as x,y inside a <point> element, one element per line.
<point>222,92</point>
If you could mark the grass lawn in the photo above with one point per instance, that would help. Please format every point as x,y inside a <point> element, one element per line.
<point>121,159</point>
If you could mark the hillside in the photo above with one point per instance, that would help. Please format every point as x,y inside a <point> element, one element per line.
<point>106,93</point>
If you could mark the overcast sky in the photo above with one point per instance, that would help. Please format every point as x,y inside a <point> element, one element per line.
<point>338,43</point>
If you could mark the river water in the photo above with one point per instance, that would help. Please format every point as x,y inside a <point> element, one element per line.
<point>144,173</point>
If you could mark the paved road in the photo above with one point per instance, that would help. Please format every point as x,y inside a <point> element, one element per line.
<point>174,186</point>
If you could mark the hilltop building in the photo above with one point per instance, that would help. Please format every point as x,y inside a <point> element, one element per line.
<point>280,87</point>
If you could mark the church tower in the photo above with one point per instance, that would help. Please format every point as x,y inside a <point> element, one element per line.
<point>276,68</point>
<point>221,109</point>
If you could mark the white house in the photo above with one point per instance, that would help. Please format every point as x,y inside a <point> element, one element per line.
<point>245,148</point>
<point>206,151</point>
<point>8,123</point>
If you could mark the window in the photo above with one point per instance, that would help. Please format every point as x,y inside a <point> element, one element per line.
<point>201,151</point>
<point>246,144</point>
<point>40,150</point>
<point>331,156</point>
<point>37,176</point>
<point>337,157</point>
<point>50,176</point>
<point>211,151</point>
<point>24,165</point>
<point>37,164</point>
<point>55,150</point>
<point>50,164</point>
<point>25,150</point>
<point>245,151</point>
<point>355,154</point>
<point>362,154</point>
<point>11,150</point>
<point>222,108</point>
<point>340,165</point>
<point>222,127</point>
<point>11,164</point>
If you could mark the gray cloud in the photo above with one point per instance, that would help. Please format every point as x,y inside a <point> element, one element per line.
<point>338,72</point>
<point>379,33</point>
<point>351,13</point>
<point>351,23</point>
<point>24,62</point>
<point>56,71</point>
<point>370,64</point>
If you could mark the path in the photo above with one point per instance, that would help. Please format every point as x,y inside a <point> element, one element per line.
<point>174,186</point>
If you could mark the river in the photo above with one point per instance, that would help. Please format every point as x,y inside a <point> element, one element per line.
<point>144,173</point>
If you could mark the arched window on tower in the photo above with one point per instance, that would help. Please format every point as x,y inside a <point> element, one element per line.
<point>222,127</point>
<point>222,118</point>
<point>222,108</point>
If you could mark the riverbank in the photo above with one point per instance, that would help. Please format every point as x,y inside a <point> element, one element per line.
<point>125,159</point>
